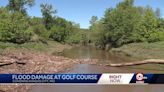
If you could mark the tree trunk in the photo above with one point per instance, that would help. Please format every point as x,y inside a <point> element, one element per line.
<point>149,61</point>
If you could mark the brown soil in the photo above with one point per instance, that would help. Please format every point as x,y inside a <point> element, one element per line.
<point>25,61</point>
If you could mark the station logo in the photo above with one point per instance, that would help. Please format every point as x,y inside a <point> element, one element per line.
<point>140,78</point>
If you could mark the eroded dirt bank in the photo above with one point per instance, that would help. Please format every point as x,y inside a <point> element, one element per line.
<point>25,61</point>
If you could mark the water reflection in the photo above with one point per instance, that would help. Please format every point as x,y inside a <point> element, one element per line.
<point>89,52</point>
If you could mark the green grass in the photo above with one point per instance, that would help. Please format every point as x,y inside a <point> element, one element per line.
<point>51,47</point>
<point>141,51</point>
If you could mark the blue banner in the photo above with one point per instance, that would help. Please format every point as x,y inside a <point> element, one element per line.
<point>105,78</point>
<point>49,78</point>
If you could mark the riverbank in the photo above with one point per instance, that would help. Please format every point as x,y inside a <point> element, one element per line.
<point>141,51</point>
<point>27,61</point>
<point>34,57</point>
<point>137,52</point>
<point>49,47</point>
<point>38,58</point>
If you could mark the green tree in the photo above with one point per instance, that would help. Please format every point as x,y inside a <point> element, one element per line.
<point>14,27</point>
<point>19,5</point>
<point>93,19</point>
<point>126,24</point>
<point>61,29</point>
<point>36,24</point>
<point>150,24</point>
<point>126,4</point>
<point>47,12</point>
<point>121,22</point>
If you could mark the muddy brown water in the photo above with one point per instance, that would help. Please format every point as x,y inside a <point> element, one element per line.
<point>89,52</point>
<point>104,57</point>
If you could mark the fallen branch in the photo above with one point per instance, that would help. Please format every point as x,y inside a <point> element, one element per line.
<point>149,61</point>
<point>10,63</point>
<point>4,64</point>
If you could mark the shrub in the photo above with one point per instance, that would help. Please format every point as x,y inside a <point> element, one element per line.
<point>14,27</point>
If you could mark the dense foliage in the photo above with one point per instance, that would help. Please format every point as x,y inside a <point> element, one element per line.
<point>123,24</point>
<point>14,27</point>
<point>127,24</point>
<point>17,27</point>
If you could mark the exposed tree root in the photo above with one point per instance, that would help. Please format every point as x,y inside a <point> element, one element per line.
<point>149,61</point>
